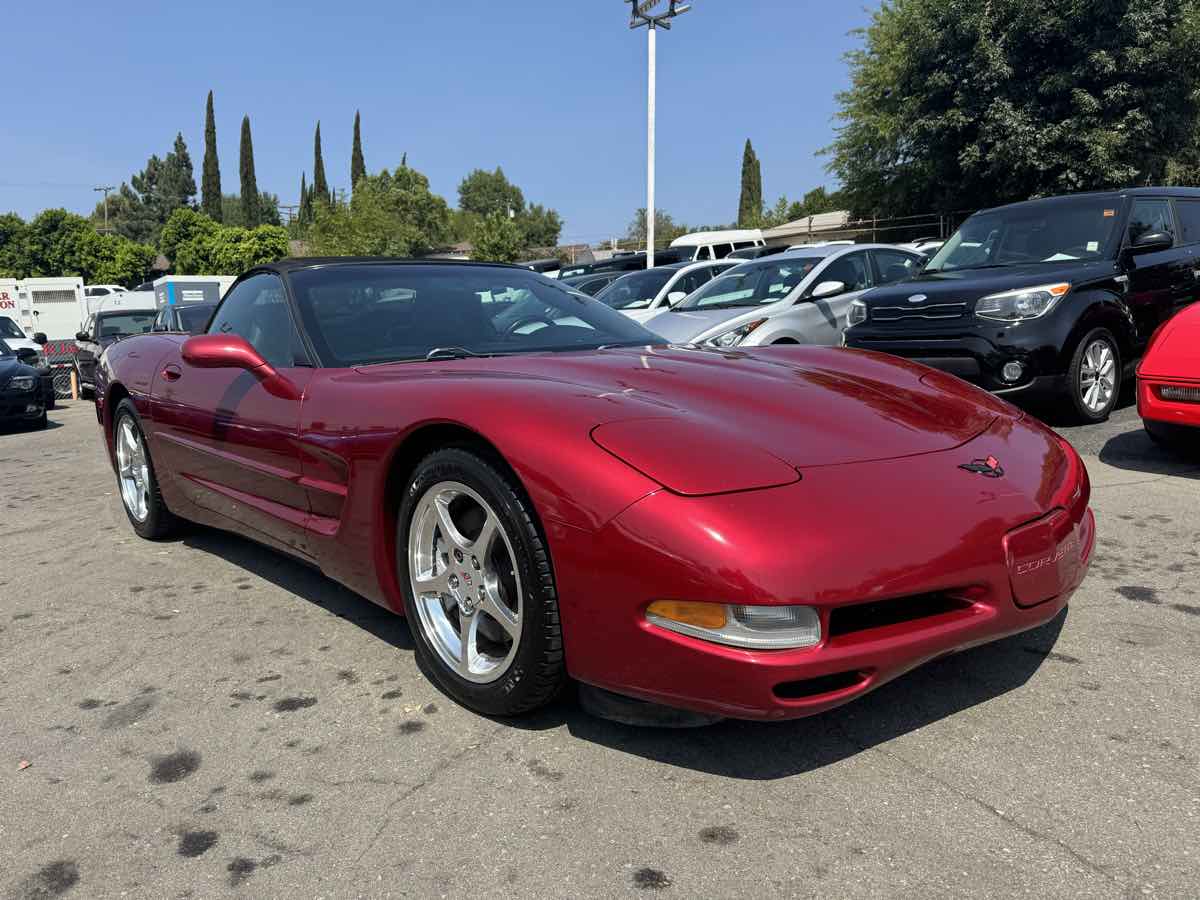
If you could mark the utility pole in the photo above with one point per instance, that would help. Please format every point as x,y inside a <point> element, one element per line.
<point>642,13</point>
<point>105,189</point>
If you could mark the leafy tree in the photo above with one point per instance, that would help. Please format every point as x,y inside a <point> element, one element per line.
<point>57,243</point>
<point>231,250</point>
<point>268,209</point>
<point>358,167</point>
<point>665,227</point>
<point>750,205</point>
<point>251,215</point>
<point>389,214</point>
<point>140,208</point>
<point>13,251</point>
<point>484,193</point>
<point>956,105</point>
<point>305,213</point>
<point>210,182</point>
<point>320,187</point>
<point>539,227</point>
<point>185,225</point>
<point>497,238</point>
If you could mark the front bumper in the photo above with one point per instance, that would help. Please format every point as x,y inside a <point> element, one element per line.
<point>941,566</point>
<point>1153,407</point>
<point>22,406</point>
<point>975,355</point>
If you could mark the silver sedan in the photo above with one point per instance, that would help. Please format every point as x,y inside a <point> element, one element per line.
<point>798,297</point>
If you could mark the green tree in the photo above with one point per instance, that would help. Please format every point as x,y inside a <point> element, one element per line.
<point>665,228</point>
<point>141,207</point>
<point>58,243</point>
<point>230,250</point>
<point>320,187</point>
<point>358,167</point>
<point>750,204</point>
<point>484,193</point>
<point>13,250</point>
<point>305,213</point>
<point>268,209</point>
<point>955,105</point>
<point>497,238</point>
<point>539,227</point>
<point>250,212</point>
<point>210,181</point>
<point>185,225</point>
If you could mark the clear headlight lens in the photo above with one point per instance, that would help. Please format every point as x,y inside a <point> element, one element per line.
<point>749,627</point>
<point>22,382</point>
<point>857,313</point>
<point>1017,306</point>
<point>736,336</point>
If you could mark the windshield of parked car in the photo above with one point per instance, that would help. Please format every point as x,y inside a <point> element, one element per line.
<point>357,314</point>
<point>194,318</point>
<point>126,323</point>
<point>635,291</point>
<point>1067,230</point>
<point>752,284</point>
<point>5,350</point>
<point>9,328</point>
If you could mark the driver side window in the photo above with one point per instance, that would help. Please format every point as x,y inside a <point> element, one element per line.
<point>257,310</point>
<point>1150,217</point>
<point>850,269</point>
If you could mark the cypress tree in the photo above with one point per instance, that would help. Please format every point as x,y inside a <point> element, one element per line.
<point>251,215</point>
<point>358,168</point>
<point>750,203</point>
<point>305,212</point>
<point>320,186</point>
<point>210,181</point>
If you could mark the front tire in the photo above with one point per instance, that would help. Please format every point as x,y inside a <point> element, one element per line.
<point>478,589</point>
<point>137,484</point>
<point>1094,377</point>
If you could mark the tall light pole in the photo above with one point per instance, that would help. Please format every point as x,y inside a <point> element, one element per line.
<point>642,13</point>
<point>106,189</point>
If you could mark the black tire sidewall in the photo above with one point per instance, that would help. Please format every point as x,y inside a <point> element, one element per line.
<point>159,522</point>
<point>1075,375</point>
<point>525,685</point>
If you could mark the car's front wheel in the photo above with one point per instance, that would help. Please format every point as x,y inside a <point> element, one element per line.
<point>478,589</point>
<point>1095,376</point>
<point>136,480</point>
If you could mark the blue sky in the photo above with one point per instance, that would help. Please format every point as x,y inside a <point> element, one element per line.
<point>556,98</point>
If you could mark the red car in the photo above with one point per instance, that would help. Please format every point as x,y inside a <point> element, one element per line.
<point>1169,381</point>
<point>549,492</point>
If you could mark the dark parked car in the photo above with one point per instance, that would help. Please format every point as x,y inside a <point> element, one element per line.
<point>757,252</point>
<point>22,400</point>
<point>187,317</point>
<point>630,262</point>
<point>101,330</point>
<point>1059,295</point>
<point>592,284</point>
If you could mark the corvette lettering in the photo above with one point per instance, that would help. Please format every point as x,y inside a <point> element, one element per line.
<point>1052,560</point>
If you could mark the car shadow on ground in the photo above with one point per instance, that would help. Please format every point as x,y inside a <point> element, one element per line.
<point>303,581</point>
<point>1134,451</point>
<point>8,430</point>
<point>733,749</point>
<point>1057,412</point>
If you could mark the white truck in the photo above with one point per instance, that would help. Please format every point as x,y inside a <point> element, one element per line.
<point>54,307</point>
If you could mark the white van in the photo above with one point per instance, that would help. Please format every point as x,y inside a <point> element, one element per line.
<point>719,244</point>
<point>52,306</point>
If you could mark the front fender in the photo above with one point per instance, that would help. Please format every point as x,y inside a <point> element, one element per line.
<point>1097,308</point>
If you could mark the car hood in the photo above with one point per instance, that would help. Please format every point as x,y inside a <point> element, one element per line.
<point>701,421</point>
<point>969,285</point>
<point>1175,352</point>
<point>680,326</point>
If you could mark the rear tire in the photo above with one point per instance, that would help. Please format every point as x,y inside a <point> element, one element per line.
<point>137,485</point>
<point>468,542</point>
<point>1094,376</point>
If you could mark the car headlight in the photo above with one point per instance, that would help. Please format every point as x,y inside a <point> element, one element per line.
<point>22,382</point>
<point>1017,306</point>
<point>749,627</point>
<point>736,336</point>
<point>856,314</point>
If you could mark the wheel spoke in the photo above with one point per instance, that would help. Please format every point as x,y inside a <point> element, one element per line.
<point>429,583</point>
<point>504,616</point>
<point>449,530</point>
<point>483,541</point>
<point>467,629</point>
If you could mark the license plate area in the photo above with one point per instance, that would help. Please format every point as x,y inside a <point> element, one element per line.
<point>1044,558</point>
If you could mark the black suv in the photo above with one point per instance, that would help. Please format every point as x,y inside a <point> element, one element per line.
<point>1057,295</point>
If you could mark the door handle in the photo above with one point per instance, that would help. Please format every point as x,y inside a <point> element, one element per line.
<point>172,373</point>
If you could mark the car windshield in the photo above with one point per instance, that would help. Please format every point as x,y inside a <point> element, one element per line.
<point>636,291</point>
<point>9,328</point>
<point>5,350</point>
<point>194,318</point>
<point>377,313</point>
<point>752,284</point>
<point>1054,231</point>
<point>126,323</point>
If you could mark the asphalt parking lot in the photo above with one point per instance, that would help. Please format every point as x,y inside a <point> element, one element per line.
<point>204,718</point>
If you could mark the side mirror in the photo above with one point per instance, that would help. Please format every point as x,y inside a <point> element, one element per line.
<point>228,351</point>
<point>828,289</point>
<point>82,336</point>
<point>1153,242</point>
<point>39,337</point>
<point>27,355</point>
<point>675,296</point>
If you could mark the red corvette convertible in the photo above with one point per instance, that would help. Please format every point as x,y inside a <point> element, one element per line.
<point>1169,381</point>
<point>548,491</point>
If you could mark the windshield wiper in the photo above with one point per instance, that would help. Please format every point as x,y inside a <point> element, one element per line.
<point>451,353</point>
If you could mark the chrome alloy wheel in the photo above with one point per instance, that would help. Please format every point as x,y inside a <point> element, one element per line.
<point>1098,375</point>
<point>133,470</point>
<point>462,570</point>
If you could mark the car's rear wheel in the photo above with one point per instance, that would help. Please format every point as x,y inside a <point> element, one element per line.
<point>136,481</point>
<point>1095,376</point>
<point>478,589</point>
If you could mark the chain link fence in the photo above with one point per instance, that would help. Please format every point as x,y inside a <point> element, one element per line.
<point>60,356</point>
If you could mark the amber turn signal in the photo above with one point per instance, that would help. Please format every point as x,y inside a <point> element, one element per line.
<point>689,612</point>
